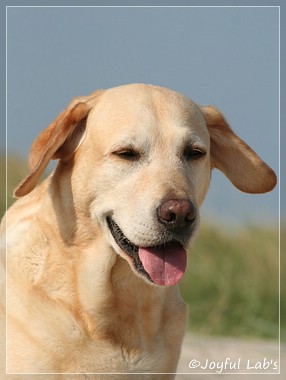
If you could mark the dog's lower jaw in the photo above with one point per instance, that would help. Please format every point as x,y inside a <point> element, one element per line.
<point>127,250</point>
<point>162,264</point>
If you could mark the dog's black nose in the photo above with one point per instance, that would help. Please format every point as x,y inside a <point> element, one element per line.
<point>176,213</point>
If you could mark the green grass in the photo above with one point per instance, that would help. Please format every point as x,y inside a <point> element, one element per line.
<point>232,280</point>
<point>17,169</point>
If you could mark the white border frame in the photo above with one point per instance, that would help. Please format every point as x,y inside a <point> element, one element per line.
<point>279,173</point>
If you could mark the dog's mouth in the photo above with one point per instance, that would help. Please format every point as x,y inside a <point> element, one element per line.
<point>163,264</point>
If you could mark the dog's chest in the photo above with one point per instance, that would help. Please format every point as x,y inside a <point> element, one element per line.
<point>110,357</point>
<point>126,344</point>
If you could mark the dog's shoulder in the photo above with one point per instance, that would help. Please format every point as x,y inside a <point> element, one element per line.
<point>24,235</point>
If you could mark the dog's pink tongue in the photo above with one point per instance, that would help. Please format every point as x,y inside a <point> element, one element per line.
<point>165,264</point>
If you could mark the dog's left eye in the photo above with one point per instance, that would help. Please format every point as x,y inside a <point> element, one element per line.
<point>191,153</point>
<point>128,154</point>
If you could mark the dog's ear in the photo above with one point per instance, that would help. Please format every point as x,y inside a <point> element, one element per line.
<point>58,141</point>
<point>235,158</point>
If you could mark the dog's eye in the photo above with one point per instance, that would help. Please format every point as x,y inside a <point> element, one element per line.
<point>128,154</point>
<point>191,153</point>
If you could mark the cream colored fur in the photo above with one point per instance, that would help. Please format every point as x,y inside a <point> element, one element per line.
<point>75,303</point>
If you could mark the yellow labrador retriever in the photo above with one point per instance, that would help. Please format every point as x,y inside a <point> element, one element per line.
<point>95,252</point>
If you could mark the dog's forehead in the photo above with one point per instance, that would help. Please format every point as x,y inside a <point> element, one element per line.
<point>135,109</point>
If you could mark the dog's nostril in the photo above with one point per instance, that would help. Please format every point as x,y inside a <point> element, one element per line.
<point>176,213</point>
<point>171,217</point>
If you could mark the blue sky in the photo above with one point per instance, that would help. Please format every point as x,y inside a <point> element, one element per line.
<point>228,57</point>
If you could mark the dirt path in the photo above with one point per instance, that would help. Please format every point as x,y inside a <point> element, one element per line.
<point>228,356</point>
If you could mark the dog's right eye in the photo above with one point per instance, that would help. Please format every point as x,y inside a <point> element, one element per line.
<point>127,154</point>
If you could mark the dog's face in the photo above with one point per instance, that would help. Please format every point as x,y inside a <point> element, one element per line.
<point>142,168</point>
<point>150,175</point>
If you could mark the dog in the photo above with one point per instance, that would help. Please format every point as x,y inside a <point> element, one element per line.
<point>96,251</point>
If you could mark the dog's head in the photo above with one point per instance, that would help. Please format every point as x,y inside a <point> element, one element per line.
<point>142,160</point>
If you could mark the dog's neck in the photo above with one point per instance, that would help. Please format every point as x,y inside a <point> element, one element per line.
<point>106,281</point>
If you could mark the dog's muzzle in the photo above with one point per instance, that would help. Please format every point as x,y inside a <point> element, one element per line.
<point>165,263</point>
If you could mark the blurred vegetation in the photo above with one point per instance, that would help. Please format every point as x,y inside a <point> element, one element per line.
<point>232,280</point>
<point>17,169</point>
<point>232,283</point>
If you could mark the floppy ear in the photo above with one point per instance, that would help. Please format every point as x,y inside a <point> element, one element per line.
<point>235,158</point>
<point>59,140</point>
